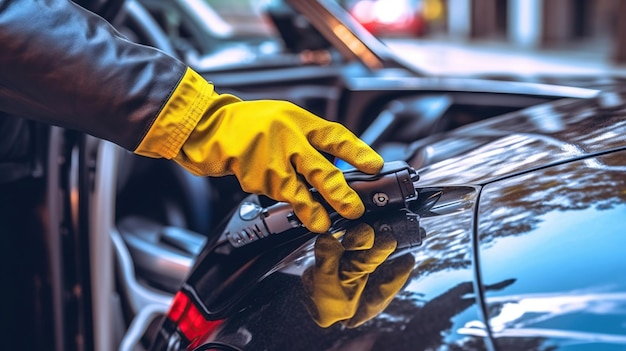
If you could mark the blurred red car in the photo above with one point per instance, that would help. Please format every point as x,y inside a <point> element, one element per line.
<point>390,17</point>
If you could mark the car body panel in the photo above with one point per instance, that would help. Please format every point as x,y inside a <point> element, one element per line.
<point>522,141</point>
<point>525,156</point>
<point>437,300</point>
<point>559,234</point>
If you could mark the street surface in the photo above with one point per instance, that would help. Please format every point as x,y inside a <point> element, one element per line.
<point>445,57</point>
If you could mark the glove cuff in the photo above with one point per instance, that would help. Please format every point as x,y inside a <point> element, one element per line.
<point>178,117</point>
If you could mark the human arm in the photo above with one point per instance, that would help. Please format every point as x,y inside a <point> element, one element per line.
<point>63,65</point>
<point>66,66</point>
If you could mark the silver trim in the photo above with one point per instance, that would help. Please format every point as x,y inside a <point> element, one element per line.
<point>143,301</point>
<point>140,325</point>
<point>451,84</point>
<point>139,296</point>
<point>100,253</point>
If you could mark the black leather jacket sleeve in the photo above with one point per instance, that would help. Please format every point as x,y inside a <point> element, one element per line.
<point>66,66</point>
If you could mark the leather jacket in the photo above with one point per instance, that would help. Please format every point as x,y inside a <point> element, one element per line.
<point>63,65</point>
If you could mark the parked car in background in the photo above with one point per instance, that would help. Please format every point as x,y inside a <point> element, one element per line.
<point>390,17</point>
<point>514,242</point>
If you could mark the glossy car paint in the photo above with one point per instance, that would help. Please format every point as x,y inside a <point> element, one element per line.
<point>560,238</point>
<point>438,297</point>
<point>545,270</point>
<point>537,137</point>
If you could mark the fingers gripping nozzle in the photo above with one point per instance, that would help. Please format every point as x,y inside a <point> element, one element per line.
<point>392,187</point>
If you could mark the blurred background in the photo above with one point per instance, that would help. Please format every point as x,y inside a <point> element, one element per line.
<point>529,37</point>
<point>532,36</point>
<point>525,23</point>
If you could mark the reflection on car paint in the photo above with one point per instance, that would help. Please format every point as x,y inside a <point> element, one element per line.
<point>575,238</point>
<point>355,279</point>
<point>437,299</point>
<point>522,141</point>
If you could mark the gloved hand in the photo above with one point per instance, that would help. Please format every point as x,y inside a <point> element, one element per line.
<point>350,281</point>
<point>270,146</point>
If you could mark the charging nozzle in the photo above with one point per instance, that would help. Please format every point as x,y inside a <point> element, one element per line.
<point>391,188</point>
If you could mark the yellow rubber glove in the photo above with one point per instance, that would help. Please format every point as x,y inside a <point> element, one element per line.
<point>344,284</point>
<point>270,146</point>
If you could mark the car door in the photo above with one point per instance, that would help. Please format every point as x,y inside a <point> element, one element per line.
<point>558,234</point>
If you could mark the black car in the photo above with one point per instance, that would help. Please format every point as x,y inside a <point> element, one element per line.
<point>517,245</point>
<point>510,242</point>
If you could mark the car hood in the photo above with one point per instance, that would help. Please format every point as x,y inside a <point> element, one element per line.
<point>442,301</point>
<point>522,141</point>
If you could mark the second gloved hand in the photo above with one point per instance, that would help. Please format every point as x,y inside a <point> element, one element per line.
<point>272,147</point>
